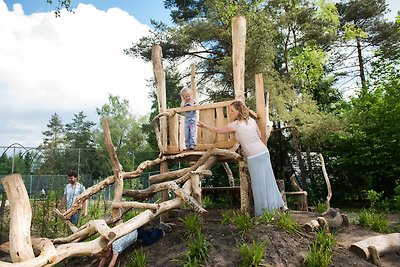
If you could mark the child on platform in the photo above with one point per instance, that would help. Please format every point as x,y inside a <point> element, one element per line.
<point>190,118</point>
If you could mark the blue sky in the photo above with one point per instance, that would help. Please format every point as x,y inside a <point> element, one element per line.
<point>142,10</point>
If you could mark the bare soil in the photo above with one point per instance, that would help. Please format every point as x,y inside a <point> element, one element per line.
<point>283,249</point>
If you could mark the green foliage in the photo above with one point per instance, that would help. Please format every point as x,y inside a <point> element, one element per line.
<point>207,202</point>
<point>192,225</point>
<point>227,216</point>
<point>243,221</point>
<point>197,245</point>
<point>252,255</point>
<point>138,259</point>
<point>373,220</point>
<point>373,197</point>
<point>320,206</point>
<point>287,223</point>
<point>320,250</point>
<point>197,250</point>
<point>267,216</point>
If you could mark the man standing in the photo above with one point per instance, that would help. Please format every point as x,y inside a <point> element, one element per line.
<point>71,191</point>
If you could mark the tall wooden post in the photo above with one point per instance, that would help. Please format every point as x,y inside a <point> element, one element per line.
<point>260,107</point>
<point>159,76</point>
<point>193,81</point>
<point>20,218</point>
<point>238,56</point>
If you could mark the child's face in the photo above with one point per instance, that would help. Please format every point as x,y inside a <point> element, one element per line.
<point>186,96</point>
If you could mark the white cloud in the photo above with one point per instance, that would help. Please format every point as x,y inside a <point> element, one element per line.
<point>65,65</point>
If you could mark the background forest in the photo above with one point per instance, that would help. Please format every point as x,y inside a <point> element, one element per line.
<point>331,70</point>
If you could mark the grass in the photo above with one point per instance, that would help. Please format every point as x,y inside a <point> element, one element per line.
<point>197,245</point>
<point>320,250</point>
<point>373,220</point>
<point>287,223</point>
<point>252,255</point>
<point>192,225</point>
<point>138,259</point>
<point>242,221</point>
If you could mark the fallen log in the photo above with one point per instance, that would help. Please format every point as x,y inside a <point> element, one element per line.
<point>383,244</point>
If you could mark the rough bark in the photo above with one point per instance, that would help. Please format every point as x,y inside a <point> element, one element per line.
<point>20,218</point>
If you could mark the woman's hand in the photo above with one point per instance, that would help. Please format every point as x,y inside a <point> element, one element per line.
<point>201,124</point>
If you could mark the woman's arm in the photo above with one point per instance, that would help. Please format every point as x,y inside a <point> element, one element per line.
<point>219,130</point>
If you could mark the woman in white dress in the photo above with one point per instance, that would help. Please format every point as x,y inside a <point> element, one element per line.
<point>266,194</point>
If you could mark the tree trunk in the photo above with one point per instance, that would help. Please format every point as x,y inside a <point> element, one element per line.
<point>20,218</point>
<point>361,65</point>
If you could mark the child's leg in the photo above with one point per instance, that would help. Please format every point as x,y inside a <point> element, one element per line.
<point>187,134</point>
<point>149,236</point>
<point>192,133</point>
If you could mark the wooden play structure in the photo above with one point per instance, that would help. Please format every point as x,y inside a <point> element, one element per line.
<point>185,183</point>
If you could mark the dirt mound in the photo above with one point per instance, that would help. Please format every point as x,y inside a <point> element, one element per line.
<point>283,249</point>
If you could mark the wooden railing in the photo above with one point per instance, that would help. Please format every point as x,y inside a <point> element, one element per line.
<point>215,114</point>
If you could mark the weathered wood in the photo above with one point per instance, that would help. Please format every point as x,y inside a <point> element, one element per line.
<point>374,255</point>
<point>173,130</point>
<point>70,225</point>
<point>162,177</point>
<point>260,107</point>
<point>295,186</point>
<point>328,184</point>
<point>269,123</point>
<point>302,201</point>
<point>200,107</point>
<point>205,136</point>
<point>245,190</point>
<point>281,186</point>
<point>384,244</point>
<point>238,55</point>
<point>316,224</point>
<point>20,218</point>
<point>159,76</point>
<point>229,173</point>
<point>117,168</point>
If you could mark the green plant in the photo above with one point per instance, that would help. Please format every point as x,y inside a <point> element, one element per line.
<point>373,220</point>
<point>267,216</point>
<point>207,202</point>
<point>320,250</point>
<point>197,252</point>
<point>138,259</point>
<point>227,216</point>
<point>243,221</point>
<point>373,197</point>
<point>287,223</point>
<point>192,225</point>
<point>320,206</point>
<point>253,255</point>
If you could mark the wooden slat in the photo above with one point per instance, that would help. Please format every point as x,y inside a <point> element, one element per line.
<point>173,130</point>
<point>200,107</point>
<point>206,136</point>
<point>181,144</point>
<point>260,106</point>
<point>220,121</point>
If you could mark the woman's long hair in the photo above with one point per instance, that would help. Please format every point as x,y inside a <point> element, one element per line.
<point>243,110</point>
